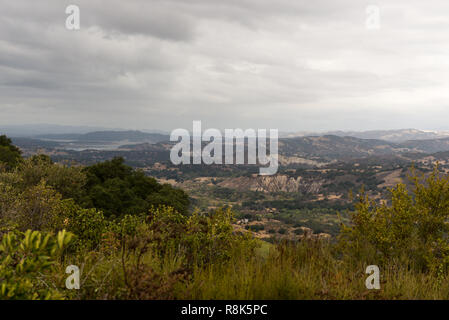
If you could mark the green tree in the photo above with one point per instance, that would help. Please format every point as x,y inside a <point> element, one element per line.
<point>69,181</point>
<point>9,153</point>
<point>117,189</point>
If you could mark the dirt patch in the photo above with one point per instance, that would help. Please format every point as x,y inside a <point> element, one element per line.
<point>391,179</point>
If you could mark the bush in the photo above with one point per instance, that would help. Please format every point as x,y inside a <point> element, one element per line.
<point>200,238</point>
<point>256,227</point>
<point>37,208</point>
<point>68,181</point>
<point>25,261</point>
<point>412,229</point>
<point>88,225</point>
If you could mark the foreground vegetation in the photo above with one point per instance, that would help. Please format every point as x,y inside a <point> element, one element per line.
<point>133,238</point>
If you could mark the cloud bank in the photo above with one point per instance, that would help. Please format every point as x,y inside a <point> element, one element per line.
<point>292,65</point>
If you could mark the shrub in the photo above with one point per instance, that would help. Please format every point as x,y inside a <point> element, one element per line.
<point>68,181</point>
<point>88,225</point>
<point>36,208</point>
<point>200,238</point>
<point>25,261</point>
<point>413,228</point>
<point>256,227</point>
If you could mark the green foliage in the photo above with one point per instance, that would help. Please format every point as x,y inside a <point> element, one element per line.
<point>9,154</point>
<point>117,189</point>
<point>304,271</point>
<point>202,238</point>
<point>147,246</point>
<point>37,207</point>
<point>26,259</point>
<point>414,228</point>
<point>128,225</point>
<point>31,194</point>
<point>255,228</point>
<point>88,225</point>
<point>169,196</point>
<point>69,181</point>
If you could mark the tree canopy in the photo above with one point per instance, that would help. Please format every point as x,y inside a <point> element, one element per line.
<point>9,153</point>
<point>117,189</point>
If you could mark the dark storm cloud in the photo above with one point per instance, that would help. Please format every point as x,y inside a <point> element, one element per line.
<point>294,65</point>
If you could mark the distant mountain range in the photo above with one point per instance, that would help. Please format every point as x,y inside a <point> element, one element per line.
<point>34,130</point>
<point>339,145</point>
<point>332,147</point>
<point>97,140</point>
<point>387,135</point>
<point>51,131</point>
<point>107,136</point>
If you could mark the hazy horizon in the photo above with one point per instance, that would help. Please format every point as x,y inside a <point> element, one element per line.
<point>48,128</point>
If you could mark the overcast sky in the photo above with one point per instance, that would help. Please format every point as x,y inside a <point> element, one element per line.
<point>288,64</point>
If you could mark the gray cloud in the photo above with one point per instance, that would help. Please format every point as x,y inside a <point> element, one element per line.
<point>159,64</point>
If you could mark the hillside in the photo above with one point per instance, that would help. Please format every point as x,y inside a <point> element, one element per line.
<point>428,146</point>
<point>333,147</point>
<point>400,135</point>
